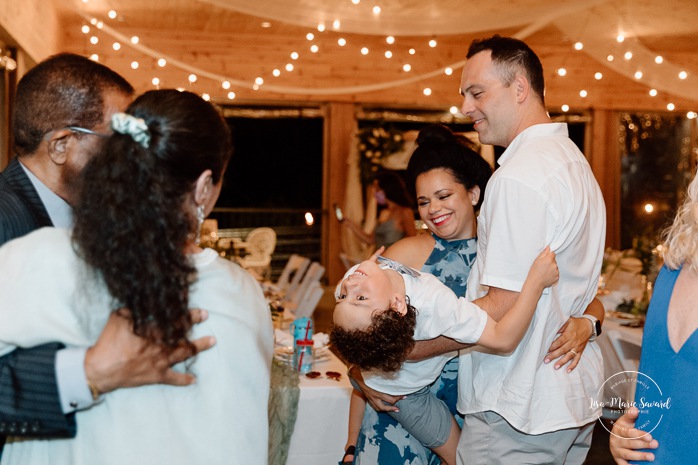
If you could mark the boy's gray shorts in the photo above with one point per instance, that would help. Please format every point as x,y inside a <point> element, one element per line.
<point>424,416</point>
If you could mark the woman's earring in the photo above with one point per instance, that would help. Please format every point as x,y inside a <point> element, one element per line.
<point>200,222</point>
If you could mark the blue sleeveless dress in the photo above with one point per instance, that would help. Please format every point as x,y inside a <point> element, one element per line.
<point>382,440</point>
<point>666,397</point>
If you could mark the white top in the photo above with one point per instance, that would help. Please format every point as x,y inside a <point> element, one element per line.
<point>543,193</point>
<point>222,419</point>
<point>439,312</point>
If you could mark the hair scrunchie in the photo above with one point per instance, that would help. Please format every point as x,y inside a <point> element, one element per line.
<point>124,123</point>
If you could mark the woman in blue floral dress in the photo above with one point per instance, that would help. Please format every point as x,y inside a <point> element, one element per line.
<point>449,179</point>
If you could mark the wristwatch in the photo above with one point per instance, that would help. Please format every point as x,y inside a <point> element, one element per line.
<point>595,326</point>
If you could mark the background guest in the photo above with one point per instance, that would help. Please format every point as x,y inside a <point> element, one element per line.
<point>395,215</point>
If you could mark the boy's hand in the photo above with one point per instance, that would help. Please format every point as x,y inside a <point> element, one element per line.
<point>544,268</point>
<point>375,255</point>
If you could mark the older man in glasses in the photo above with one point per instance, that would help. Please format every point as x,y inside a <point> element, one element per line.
<point>62,115</point>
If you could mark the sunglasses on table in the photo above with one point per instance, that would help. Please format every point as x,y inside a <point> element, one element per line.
<point>335,375</point>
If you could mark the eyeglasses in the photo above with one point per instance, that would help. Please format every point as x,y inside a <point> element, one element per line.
<point>335,375</point>
<point>76,129</point>
<point>86,131</point>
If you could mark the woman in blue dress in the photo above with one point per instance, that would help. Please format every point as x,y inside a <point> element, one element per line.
<point>449,179</point>
<point>664,395</point>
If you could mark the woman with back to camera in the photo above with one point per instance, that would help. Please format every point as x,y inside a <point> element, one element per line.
<point>449,178</point>
<point>395,218</point>
<point>135,245</point>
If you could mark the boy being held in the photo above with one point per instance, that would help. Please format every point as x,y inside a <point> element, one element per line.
<point>382,307</point>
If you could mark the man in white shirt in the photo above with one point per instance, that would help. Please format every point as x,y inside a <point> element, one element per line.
<point>542,193</point>
<point>63,110</point>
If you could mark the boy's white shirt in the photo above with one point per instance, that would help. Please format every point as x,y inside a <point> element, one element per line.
<point>439,312</point>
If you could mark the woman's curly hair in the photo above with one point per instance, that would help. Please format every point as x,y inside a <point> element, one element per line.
<point>132,221</point>
<point>384,344</point>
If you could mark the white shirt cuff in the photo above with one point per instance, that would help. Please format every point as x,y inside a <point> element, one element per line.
<point>73,391</point>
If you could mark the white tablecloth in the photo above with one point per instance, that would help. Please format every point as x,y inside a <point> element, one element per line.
<point>321,426</point>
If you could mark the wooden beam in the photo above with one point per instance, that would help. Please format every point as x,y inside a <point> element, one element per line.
<point>340,124</point>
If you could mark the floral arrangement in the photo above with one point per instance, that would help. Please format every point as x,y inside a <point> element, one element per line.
<point>374,144</point>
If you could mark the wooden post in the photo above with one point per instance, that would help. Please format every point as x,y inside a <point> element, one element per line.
<point>340,124</point>
<point>605,162</point>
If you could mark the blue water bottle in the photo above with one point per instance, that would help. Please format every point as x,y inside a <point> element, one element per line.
<point>302,330</point>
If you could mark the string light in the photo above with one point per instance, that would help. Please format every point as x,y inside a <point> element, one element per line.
<point>225,85</point>
<point>670,107</point>
<point>427,91</point>
<point>231,95</point>
<point>583,93</point>
<point>156,81</point>
<point>289,67</point>
<point>565,108</point>
<point>562,72</point>
<point>259,81</point>
<point>94,57</point>
<point>453,110</point>
<point>192,78</point>
<point>628,55</point>
<point>294,55</point>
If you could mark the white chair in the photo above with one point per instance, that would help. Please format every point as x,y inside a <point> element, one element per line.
<point>259,245</point>
<point>290,277</point>
<point>293,298</point>
<point>308,302</point>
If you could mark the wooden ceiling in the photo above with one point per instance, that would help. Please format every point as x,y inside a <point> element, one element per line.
<point>226,40</point>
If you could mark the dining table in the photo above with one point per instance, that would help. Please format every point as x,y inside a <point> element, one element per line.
<point>320,432</point>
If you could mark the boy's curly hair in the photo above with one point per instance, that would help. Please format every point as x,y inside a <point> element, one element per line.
<point>383,345</point>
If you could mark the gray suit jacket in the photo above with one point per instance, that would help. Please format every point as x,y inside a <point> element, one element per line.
<point>29,401</point>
